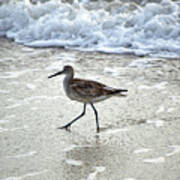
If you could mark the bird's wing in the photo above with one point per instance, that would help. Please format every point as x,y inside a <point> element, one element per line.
<point>88,88</point>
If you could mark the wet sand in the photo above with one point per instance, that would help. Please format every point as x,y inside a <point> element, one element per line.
<point>139,136</point>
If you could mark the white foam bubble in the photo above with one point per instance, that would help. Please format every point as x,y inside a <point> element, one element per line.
<point>54,66</point>
<point>13,74</point>
<point>12,129</point>
<point>28,100</point>
<point>169,110</point>
<point>4,121</point>
<point>14,105</point>
<point>176,150</point>
<point>27,49</point>
<point>98,169</point>
<point>175,99</point>
<point>142,150</point>
<point>73,146</point>
<point>161,109</point>
<point>112,71</point>
<point>31,153</point>
<point>145,63</point>
<point>25,175</point>
<point>157,123</point>
<point>155,160</point>
<point>74,162</point>
<point>140,63</point>
<point>114,131</point>
<point>31,86</point>
<point>159,86</point>
<point>2,91</point>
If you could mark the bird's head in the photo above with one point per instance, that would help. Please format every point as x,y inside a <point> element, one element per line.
<point>66,70</point>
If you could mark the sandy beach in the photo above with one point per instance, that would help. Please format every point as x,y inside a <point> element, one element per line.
<point>139,138</point>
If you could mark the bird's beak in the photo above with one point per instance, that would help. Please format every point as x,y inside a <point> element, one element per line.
<point>56,74</point>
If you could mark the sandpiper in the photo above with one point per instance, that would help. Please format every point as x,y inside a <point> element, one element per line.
<point>85,91</point>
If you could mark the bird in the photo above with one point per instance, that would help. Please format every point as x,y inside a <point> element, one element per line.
<point>86,92</point>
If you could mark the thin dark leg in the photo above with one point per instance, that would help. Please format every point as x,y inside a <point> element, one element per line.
<point>96,114</point>
<point>69,124</point>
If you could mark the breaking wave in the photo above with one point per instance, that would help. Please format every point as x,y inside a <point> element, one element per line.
<point>147,28</point>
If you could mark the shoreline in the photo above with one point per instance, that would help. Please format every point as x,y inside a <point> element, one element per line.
<point>140,133</point>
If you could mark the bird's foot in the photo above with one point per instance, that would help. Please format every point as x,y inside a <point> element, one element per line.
<point>66,127</point>
<point>98,130</point>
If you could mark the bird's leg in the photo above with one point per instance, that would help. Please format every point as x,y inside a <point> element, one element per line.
<point>69,124</point>
<point>96,114</point>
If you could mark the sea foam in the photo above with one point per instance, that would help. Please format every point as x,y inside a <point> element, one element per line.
<point>150,29</point>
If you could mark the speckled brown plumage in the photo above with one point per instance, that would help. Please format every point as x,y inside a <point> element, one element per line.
<point>92,89</point>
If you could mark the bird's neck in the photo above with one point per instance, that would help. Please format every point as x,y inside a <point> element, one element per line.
<point>67,80</point>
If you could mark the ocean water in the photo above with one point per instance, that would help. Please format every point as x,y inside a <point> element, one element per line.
<point>142,28</point>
